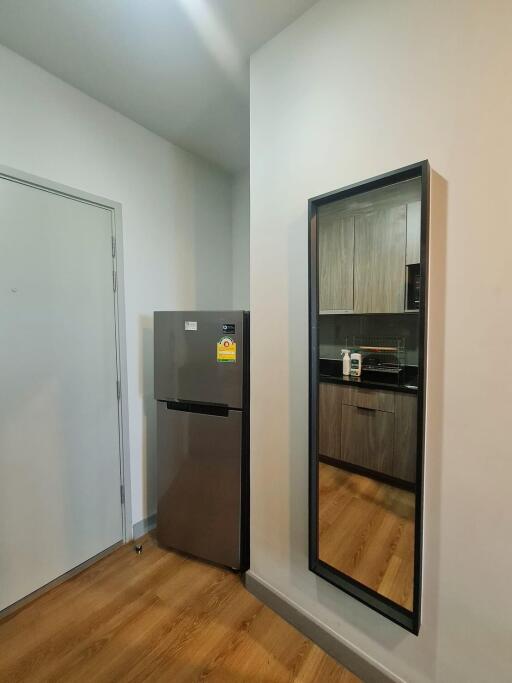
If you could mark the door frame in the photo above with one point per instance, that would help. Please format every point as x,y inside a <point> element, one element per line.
<point>15,175</point>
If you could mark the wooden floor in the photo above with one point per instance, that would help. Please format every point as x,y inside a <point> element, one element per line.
<point>157,616</point>
<point>366,530</point>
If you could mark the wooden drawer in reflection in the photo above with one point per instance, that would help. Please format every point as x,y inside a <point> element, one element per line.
<point>370,398</point>
<point>367,438</point>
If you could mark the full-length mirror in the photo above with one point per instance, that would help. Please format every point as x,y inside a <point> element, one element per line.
<point>368,283</point>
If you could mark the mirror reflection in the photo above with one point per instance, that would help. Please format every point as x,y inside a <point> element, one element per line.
<point>368,332</point>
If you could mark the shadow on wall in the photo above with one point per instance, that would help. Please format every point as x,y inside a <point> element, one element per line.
<point>202,241</point>
<point>333,599</point>
<point>212,242</point>
<point>149,492</point>
<point>197,277</point>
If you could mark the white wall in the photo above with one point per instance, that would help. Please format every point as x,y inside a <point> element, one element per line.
<point>240,220</point>
<point>176,219</point>
<point>350,90</point>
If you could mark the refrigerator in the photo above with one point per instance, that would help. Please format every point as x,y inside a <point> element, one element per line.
<point>202,393</point>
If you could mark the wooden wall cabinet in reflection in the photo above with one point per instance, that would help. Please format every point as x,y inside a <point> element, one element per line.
<point>379,261</point>
<point>363,254</point>
<point>370,429</point>
<point>336,256</point>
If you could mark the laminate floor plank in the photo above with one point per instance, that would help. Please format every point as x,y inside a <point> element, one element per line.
<point>59,640</point>
<point>158,616</point>
<point>366,530</point>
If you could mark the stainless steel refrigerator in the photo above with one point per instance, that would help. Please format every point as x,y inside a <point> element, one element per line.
<point>202,393</point>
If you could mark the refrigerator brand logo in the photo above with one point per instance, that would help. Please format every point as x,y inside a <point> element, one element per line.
<point>226,350</point>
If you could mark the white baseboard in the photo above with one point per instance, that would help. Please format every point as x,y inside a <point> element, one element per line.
<point>143,526</point>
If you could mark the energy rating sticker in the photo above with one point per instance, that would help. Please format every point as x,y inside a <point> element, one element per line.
<point>226,350</point>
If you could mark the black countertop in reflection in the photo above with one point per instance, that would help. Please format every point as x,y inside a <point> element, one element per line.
<point>406,381</point>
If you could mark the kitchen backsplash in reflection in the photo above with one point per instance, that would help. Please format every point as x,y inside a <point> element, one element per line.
<point>335,330</point>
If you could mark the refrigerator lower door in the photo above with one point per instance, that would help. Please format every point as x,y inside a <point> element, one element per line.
<point>199,483</point>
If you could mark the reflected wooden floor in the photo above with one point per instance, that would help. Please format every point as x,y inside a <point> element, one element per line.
<point>159,616</point>
<point>366,530</point>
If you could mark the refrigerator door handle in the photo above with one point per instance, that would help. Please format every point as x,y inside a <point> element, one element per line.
<point>218,409</point>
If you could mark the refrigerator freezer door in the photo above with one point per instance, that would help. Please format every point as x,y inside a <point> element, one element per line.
<point>199,483</point>
<point>189,361</point>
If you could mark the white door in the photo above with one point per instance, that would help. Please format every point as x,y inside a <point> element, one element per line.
<point>59,431</point>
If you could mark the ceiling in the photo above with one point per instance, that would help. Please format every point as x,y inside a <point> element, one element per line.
<point>178,67</point>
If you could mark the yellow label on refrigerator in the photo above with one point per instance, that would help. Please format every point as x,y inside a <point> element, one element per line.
<point>226,350</point>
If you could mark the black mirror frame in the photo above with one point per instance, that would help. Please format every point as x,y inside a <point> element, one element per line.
<point>410,620</point>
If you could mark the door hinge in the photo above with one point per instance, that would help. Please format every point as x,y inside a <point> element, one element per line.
<point>113,246</point>
<point>118,387</point>
<point>114,280</point>
<point>122,494</point>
